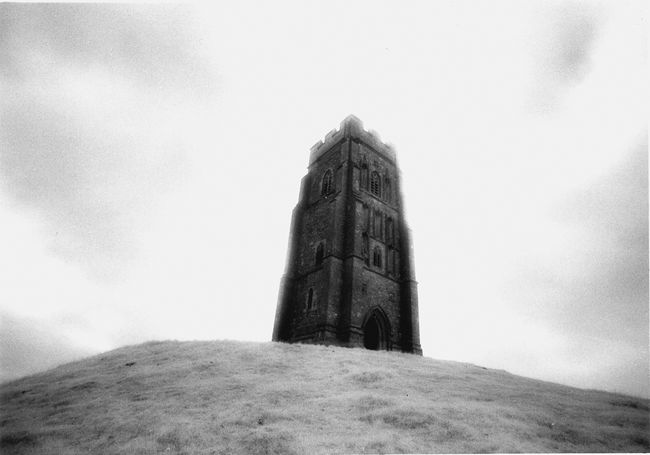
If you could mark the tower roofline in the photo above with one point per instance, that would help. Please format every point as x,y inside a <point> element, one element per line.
<point>351,126</point>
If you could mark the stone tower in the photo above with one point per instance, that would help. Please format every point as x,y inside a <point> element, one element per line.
<point>349,278</point>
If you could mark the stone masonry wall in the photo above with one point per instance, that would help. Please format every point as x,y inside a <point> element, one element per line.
<point>350,222</point>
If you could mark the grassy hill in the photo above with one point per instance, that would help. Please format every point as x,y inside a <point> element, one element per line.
<point>235,397</point>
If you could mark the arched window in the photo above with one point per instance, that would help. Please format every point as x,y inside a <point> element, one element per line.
<point>310,299</point>
<point>376,257</point>
<point>375,184</point>
<point>326,186</point>
<point>319,254</point>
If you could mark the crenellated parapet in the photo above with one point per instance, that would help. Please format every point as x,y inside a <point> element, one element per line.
<point>352,127</point>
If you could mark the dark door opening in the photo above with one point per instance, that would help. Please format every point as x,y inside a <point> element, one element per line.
<point>371,334</point>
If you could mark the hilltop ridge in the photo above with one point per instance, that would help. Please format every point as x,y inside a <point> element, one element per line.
<point>241,397</point>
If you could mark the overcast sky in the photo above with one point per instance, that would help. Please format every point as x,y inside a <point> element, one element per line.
<point>150,157</point>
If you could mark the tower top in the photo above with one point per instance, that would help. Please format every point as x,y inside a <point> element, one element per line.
<point>351,127</point>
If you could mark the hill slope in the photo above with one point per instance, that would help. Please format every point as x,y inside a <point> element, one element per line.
<point>234,397</point>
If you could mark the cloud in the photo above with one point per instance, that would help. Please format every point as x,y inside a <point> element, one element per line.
<point>610,290</point>
<point>30,345</point>
<point>563,50</point>
<point>571,45</point>
<point>87,181</point>
<point>596,288</point>
<point>97,120</point>
<point>616,207</point>
<point>153,44</point>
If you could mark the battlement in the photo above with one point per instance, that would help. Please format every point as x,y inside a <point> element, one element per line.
<point>352,127</point>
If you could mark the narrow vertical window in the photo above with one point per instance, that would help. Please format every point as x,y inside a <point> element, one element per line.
<point>376,257</point>
<point>319,253</point>
<point>326,186</point>
<point>310,299</point>
<point>375,184</point>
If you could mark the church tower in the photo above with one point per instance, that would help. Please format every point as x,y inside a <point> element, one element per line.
<point>349,278</point>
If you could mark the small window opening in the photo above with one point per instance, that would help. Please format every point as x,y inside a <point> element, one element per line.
<point>376,257</point>
<point>326,187</point>
<point>319,254</point>
<point>375,184</point>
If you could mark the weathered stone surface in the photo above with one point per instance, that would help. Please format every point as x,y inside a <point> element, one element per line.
<point>349,278</point>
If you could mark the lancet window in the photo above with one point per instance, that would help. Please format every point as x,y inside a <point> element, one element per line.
<point>319,253</point>
<point>326,186</point>
<point>375,184</point>
<point>376,257</point>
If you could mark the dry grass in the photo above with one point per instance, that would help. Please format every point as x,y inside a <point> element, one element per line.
<point>263,398</point>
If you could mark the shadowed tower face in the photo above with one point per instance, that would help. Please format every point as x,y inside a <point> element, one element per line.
<point>349,278</point>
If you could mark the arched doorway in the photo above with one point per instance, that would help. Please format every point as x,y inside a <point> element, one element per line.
<point>371,334</point>
<point>376,331</point>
